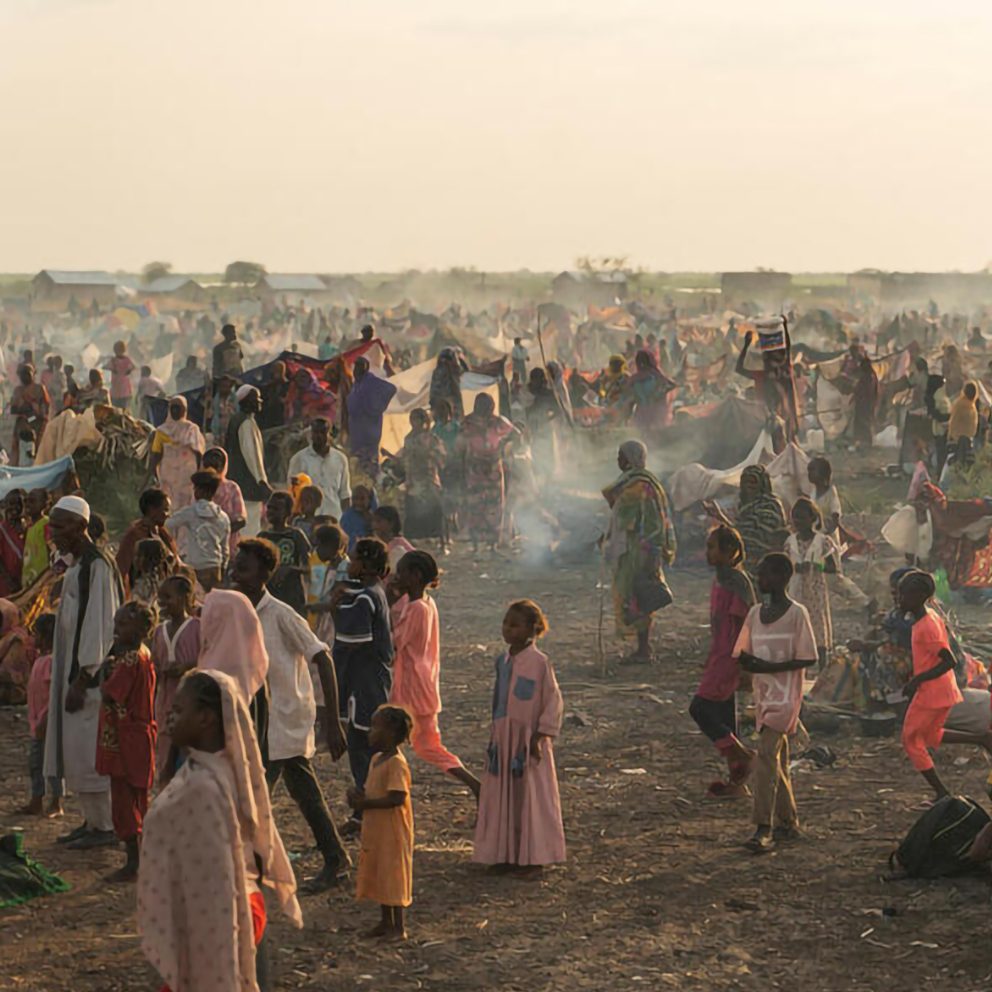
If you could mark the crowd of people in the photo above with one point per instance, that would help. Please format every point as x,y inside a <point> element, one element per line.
<point>261,606</point>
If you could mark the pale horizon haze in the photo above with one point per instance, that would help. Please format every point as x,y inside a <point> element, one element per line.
<point>379,135</point>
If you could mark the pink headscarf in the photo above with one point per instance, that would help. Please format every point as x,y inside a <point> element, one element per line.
<point>193,897</point>
<point>231,640</point>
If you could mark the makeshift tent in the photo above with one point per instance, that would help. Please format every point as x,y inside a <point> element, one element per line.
<point>787,470</point>
<point>716,435</point>
<point>413,388</point>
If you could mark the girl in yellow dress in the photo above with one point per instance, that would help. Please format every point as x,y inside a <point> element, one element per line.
<point>385,864</point>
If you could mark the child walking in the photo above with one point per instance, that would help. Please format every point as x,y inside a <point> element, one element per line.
<point>175,650</point>
<point>520,827</point>
<point>775,645</point>
<point>714,705</point>
<point>385,864</point>
<point>417,666</point>
<point>814,556</point>
<point>39,687</point>
<point>932,690</point>
<point>363,653</point>
<point>125,747</point>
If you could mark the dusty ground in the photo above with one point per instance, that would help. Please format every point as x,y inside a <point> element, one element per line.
<point>656,893</point>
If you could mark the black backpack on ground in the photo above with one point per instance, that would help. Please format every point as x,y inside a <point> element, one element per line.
<point>938,843</point>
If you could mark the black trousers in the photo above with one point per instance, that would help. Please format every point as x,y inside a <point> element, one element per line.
<point>715,719</point>
<point>302,784</point>
<point>359,757</point>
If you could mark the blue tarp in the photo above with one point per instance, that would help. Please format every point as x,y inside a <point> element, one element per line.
<point>47,476</point>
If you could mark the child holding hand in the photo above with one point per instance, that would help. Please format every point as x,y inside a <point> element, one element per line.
<point>520,826</point>
<point>775,645</point>
<point>385,864</point>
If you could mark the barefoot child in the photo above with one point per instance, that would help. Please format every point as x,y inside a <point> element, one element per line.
<point>385,865</point>
<point>417,666</point>
<point>814,556</point>
<point>713,707</point>
<point>125,747</point>
<point>520,824</point>
<point>175,650</point>
<point>775,645</point>
<point>932,690</point>
<point>39,687</point>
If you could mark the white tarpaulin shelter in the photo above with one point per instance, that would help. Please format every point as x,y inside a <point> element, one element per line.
<point>413,387</point>
<point>694,483</point>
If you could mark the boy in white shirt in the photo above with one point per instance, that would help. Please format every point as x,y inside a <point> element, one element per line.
<point>775,645</point>
<point>204,531</point>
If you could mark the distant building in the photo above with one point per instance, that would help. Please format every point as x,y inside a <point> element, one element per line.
<point>181,289</point>
<point>770,290</point>
<point>292,285</point>
<point>54,289</point>
<point>915,290</point>
<point>577,287</point>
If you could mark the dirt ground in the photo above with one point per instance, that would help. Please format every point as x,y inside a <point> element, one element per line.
<point>657,891</point>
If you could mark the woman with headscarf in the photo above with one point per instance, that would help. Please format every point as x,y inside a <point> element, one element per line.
<point>952,367</point>
<point>760,517</point>
<point>639,543</point>
<point>865,403</point>
<point>17,654</point>
<point>649,395</point>
<point>231,640</point>
<point>446,381</point>
<point>307,400</point>
<point>176,452</point>
<point>482,444</point>
<point>367,402</point>
<point>210,845</point>
<point>339,380</point>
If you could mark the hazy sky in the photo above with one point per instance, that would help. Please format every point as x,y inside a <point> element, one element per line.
<point>320,135</point>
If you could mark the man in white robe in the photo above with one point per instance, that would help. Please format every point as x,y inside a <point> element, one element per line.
<point>84,634</point>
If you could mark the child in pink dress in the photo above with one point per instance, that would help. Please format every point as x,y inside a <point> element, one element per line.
<point>417,664</point>
<point>520,823</point>
<point>714,705</point>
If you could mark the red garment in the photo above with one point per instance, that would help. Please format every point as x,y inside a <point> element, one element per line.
<point>721,673</point>
<point>128,805</point>
<point>923,730</point>
<point>929,639</point>
<point>258,920</point>
<point>125,746</point>
<point>11,558</point>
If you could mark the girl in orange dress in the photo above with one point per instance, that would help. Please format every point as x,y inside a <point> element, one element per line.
<point>385,864</point>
